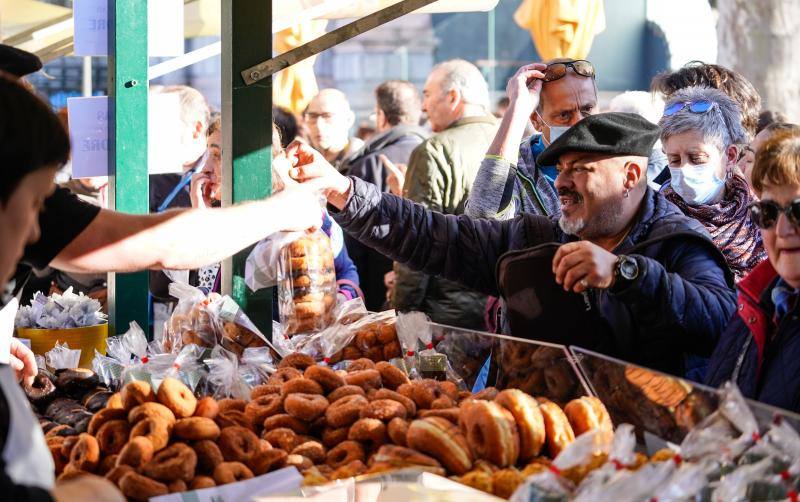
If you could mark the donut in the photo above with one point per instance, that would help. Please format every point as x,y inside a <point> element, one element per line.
<point>230,404</point>
<point>366,339</point>
<point>115,402</point>
<point>115,474</point>
<point>103,416</point>
<point>208,455</point>
<point>238,334</point>
<point>391,376</point>
<point>505,482</point>
<point>157,431</point>
<point>411,407</point>
<point>207,407</point>
<point>306,407</point>
<point>283,438</point>
<point>530,423</point>
<point>556,425</point>
<point>76,381</point>
<point>264,390</point>
<point>399,456</point>
<point>361,364</point>
<point>368,430</point>
<point>151,410</point>
<point>96,399</point>
<point>397,430</point>
<point>177,461</point>
<point>351,353</point>
<point>112,436</point>
<point>136,453</point>
<point>451,414</point>
<point>267,460</point>
<point>326,377</point>
<point>312,450</point>
<point>231,472</point>
<point>387,333</point>
<point>366,379</point>
<point>301,386</point>
<point>333,436</point>
<point>392,350</point>
<point>70,473</point>
<point>196,429</point>
<point>85,455</point>
<point>442,402</point>
<point>346,390</point>
<point>354,468</point>
<point>384,409</point>
<point>344,453</point>
<point>233,418</point>
<point>491,432</point>
<point>177,486</point>
<point>288,421</point>
<point>141,488</point>
<point>176,396</point>
<point>238,444</point>
<point>587,413</point>
<point>201,482</point>
<point>61,430</point>
<point>442,440</point>
<point>346,410</point>
<point>260,408</point>
<point>297,361</point>
<point>298,461</point>
<point>487,394</point>
<point>66,444</point>
<point>136,393</point>
<point>41,391</point>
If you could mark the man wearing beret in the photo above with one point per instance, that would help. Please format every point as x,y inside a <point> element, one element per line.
<point>658,287</point>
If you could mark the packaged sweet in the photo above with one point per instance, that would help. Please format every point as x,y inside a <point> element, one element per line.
<point>62,357</point>
<point>261,267</point>
<point>185,366</point>
<point>236,331</point>
<point>191,321</point>
<point>60,311</point>
<point>373,336</point>
<point>408,327</point>
<point>223,375</point>
<point>620,456</point>
<point>256,365</point>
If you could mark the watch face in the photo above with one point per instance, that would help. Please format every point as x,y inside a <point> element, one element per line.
<point>629,269</point>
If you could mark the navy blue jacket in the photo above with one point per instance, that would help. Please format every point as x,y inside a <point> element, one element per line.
<point>679,303</point>
<point>760,356</point>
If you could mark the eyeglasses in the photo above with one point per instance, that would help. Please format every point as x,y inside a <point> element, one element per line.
<point>556,71</point>
<point>765,213</point>
<point>701,106</point>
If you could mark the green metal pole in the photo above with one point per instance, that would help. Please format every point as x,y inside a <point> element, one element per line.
<point>127,149</point>
<point>247,135</point>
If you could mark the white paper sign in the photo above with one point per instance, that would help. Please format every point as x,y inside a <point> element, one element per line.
<point>90,18</point>
<point>287,479</point>
<point>88,133</point>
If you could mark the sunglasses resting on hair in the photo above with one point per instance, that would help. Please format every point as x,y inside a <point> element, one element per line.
<point>701,106</point>
<point>555,71</point>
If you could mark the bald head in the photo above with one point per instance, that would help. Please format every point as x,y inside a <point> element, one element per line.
<point>329,120</point>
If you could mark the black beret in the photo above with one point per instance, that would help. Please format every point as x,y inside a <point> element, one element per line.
<point>18,62</point>
<point>608,133</point>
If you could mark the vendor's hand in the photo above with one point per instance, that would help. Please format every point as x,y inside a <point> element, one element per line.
<point>310,168</point>
<point>581,265</point>
<point>525,87</point>
<point>396,177</point>
<point>201,188</point>
<point>297,208</point>
<point>87,487</point>
<point>23,362</point>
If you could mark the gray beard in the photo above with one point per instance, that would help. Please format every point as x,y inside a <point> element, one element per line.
<point>603,222</point>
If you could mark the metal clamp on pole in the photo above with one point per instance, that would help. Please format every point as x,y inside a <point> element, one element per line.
<point>328,40</point>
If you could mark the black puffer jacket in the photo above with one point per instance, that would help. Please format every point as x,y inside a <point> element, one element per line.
<point>679,303</point>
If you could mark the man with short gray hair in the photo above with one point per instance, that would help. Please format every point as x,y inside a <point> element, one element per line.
<point>440,176</point>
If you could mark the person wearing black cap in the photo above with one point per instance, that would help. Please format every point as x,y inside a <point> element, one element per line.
<point>652,287</point>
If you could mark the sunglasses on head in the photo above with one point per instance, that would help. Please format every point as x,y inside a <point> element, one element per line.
<point>765,213</point>
<point>701,106</point>
<point>555,71</point>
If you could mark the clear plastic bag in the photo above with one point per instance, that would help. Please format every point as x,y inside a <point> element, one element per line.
<point>191,321</point>
<point>306,284</point>
<point>223,375</point>
<point>409,326</point>
<point>186,366</point>
<point>256,366</point>
<point>261,267</point>
<point>61,357</point>
<point>236,331</point>
<point>58,311</point>
<point>146,356</point>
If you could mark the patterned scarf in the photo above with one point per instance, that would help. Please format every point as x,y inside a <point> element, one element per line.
<point>729,224</point>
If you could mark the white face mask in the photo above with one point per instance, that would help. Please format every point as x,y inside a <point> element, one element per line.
<point>555,131</point>
<point>697,185</point>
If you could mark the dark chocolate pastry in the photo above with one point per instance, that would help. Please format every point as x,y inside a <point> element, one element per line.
<point>96,399</point>
<point>75,382</point>
<point>42,391</point>
<point>60,407</point>
<point>47,425</point>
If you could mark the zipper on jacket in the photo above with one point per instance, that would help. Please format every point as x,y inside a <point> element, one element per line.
<point>535,192</point>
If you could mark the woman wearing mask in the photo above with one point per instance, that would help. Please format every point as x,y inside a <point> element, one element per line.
<point>700,129</point>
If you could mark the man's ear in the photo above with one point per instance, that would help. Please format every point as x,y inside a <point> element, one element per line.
<point>732,155</point>
<point>351,119</point>
<point>634,170</point>
<point>198,130</point>
<point>537,122</point>
<point>454,98</point>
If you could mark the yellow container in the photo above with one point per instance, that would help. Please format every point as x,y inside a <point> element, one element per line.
<point>87,339</point>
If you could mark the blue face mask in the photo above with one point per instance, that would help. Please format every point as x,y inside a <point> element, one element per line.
<point>697,185</point>
<point>555,131</point>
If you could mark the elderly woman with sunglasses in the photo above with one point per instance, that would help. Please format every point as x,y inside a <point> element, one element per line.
<point>700,130</point>
<point>760,349</point>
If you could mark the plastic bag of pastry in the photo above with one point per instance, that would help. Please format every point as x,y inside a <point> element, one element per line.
<point>261,267</point>
<point>686,483</point>
<point>620,456</point>
<point>783,437</point>
<point>191,321</point>
<point>109,367</point>
<point>236,331</point>
<point>256,365</point>
<point>306,284</point>
<point>223,375</point>
<point>374,336</point>
<point>734,486</point>
<point>62,357</point>
<point>186,366</point>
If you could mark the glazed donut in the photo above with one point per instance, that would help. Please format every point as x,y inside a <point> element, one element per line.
<point>207,407</point>
<point>85,455</point>
<point>231,472</point>
<point>587,413</point>
<point>136,393</point>
<point>442,440</point>
<point>177,461</point>
<point>530,423</point>
<point>384,409</point>
<point>238,444</point>
<point>177,486</point>
<point>301,386</point>
<point>331,437</point>
<point>368,430</point>
<point>361,364</point>
<point>451,414</point>
<point>264,390</point>
<point>411,407</point>
<point>112,436</point>
<point>391,376</point>
<point>176,396</point>
<point>136,453</point>
<point>196,429</point>
<point>283,438</point>
<point>298,361</point>
<point>346,410</point>
<point>233,418</point>
<point>41,391</point>
<point>491,432</point>
<point>103,416</point>
<point>260,408</point>
<point>397,431</point>
<point>267,460</point>
<point>344,453</point>
<point>399,456</point>
<point>141,488</point>
<point>115,474</point>
<point>387,333</point>
<point>288,421</point>
<point>556,425</point>
<point>366,379</point>
<point>392,350</point>
<point>201,482</point>
<point>346,390</point>
<point>312,450</point>
<point>326,377</point>
<point>157,431</point>
<point>208,455</point>
<point>306,407</point>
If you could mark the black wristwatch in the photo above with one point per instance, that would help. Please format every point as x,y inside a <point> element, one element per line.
<point>626,268</point>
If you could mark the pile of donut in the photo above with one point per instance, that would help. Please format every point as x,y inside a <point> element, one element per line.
<point>376,341</point>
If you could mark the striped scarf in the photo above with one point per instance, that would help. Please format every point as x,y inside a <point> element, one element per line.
<point>729,224</point>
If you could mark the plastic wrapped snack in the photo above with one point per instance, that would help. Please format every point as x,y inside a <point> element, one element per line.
<point>306,284</point>
<point>224,378</point>
<point>61,357</point>
<point>66,310</point>
<point>191,321</point>
<point>236,331</point>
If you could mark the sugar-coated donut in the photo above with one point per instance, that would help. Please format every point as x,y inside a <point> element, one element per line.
<point>587,413</point>
<point>267,460</point>
<point>391,376</point>
<point>302,386</point>
<point>112,436</point>
<point>298,461</point>
<point>326,377</point>
<point>85,455</point>
<point>103,416</point>
<point>207,407</point>
<point>231,472</point>
<point>298,361</point>
<point>366,379</point>
<point>346,390</point>
<point>136,453</point>
<point>141,488</point>
<point>442,440</point>
<point>442,402</point>
<point>156,430</point>
<point>449,389</point>
<point>233,418</point>
<point>262,407</point>
<point>115,402</point>
<point>487,394</point>
<point>306,407</point>
<point>106,464</point>
<point>491,432</point>
<point>176,396</point>
<point>360,364</point>
<point>208,456</point>
<point>384,409</point>
<point>264,390</point>
<point>370,431</point>
<point>530,424</point>
<point>283,438</point>
<point>344,453</point>
<point>411,407</point>
<point>333,436</point>
<point>451,414</point>
<point>196,429</point>
<point>177,461</point>
<point>312,450</point>
<point>135,393</point>
<point>397,431</point>
<point>345,411</point>
<point>151,410</point>
<point>288,421</point>
<point>238,444</point>
<point>201,482</point>
<point>556,425</point>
